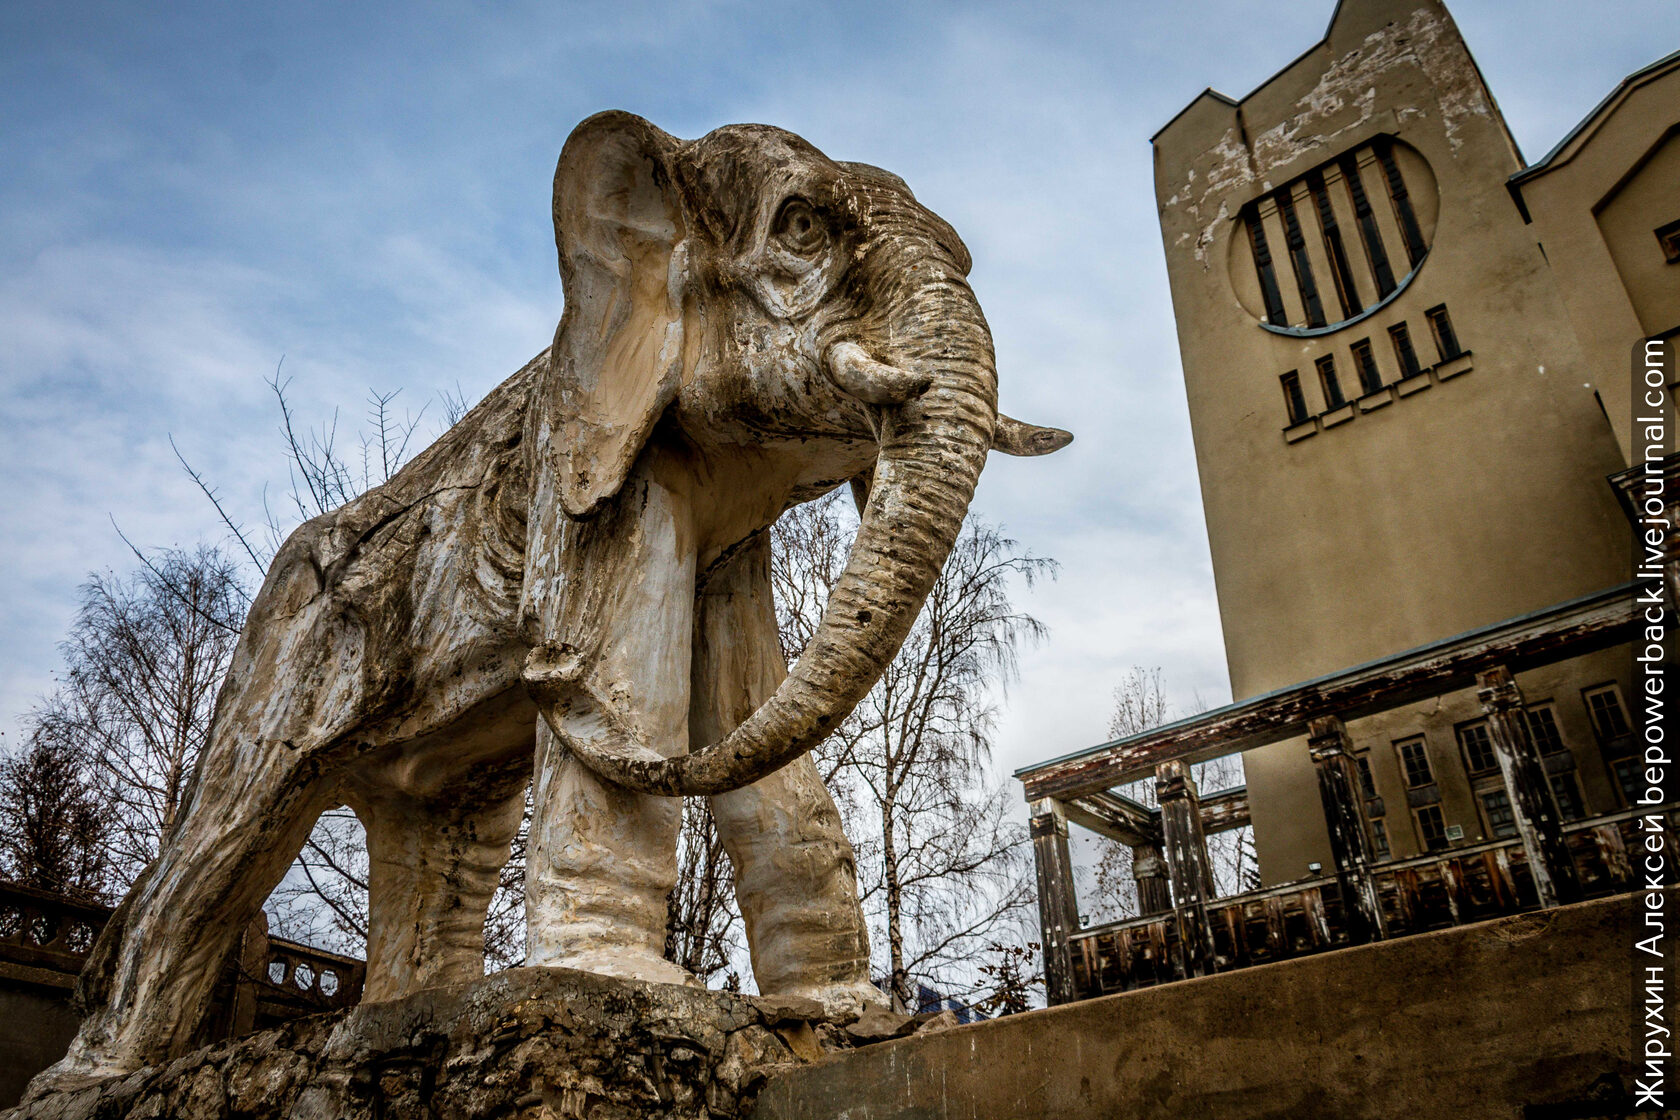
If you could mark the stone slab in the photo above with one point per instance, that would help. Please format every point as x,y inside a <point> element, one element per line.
<point>1522,1016</point>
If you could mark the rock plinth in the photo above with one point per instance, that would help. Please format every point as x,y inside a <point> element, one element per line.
<point>526,1044</point>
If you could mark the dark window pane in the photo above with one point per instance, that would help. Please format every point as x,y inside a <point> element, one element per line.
<point>1365,362</point>
<point>1432,829</point>
<point>1292,398</point>
<point>1379,839</point>
<point>1568,796</point>
<point>1298,258</point>
<point>1414,760</point>
<point>1409,230</point>
<point>1332,386</point>
<point>1605,709</point>
<point>1402,339</point>
<point>1501,820</point>
<point>1478,748</point>
<point>1543,729</point>
<point>1267,272</point>
<point>1369,234</point>
<point>1367,784</point>
<point>1446,340</point>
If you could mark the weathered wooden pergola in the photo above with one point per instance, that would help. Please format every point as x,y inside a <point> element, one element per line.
<point>1185,931</point>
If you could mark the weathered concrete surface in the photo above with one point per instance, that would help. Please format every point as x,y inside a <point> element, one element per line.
<point>1480,1021</point>
<point>529,1043</point>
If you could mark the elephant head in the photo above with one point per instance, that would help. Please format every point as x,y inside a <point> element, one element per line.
<point>745,291</point>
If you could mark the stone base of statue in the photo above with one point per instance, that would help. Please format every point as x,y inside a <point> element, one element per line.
<point>525,1044</point>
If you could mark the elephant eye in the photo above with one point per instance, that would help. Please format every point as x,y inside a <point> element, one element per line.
<point>799,229</point>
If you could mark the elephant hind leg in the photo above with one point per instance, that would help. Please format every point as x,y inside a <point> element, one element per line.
<point>154,969</point>
<point>433,867</point>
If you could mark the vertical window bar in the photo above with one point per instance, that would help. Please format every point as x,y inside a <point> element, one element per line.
<point>1327,378</point>
<point>1368,231</point>
<point>1340,271</point>
<point>1298,258</point>
<point>1293,400</point>
<point>1275,314</point>
<point>1403,350</point>
<point>1402,201</point>
<point>1365,364</point>
<point>1446,339</point>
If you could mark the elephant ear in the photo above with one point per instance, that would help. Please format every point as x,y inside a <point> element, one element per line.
<point>617,358</point>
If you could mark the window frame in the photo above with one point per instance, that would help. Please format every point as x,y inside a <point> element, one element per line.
<point>1493,830</point>
<point>1422,744</point>
<point>1405,351</point>
<point>1613,689</point>
<point>1424,841</point>
<point>1461,731</point>
<point>1294,398</point>
<point>1447,343</point>
<point>1329,383</point>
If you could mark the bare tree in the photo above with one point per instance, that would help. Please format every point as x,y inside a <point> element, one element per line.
<point>703,933</point>
<point>54,837</point>
<point>1141,704</point>
<point>941,863</point>
<point>143,662</point>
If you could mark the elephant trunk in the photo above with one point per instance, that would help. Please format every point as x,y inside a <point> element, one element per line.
<point>931,451</point>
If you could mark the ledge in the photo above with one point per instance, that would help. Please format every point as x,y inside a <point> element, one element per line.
<point>1416,383</point>
<point>1452,367</point>
<point>1370,402</point>
<point>1295,433</point>
<point>1336,415</point>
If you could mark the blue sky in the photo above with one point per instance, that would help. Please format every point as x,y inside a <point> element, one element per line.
<point>190,191</point>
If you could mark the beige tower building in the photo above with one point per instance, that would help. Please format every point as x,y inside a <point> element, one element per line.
<point>1407,359</point>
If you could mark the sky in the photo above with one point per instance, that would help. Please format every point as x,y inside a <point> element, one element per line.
<point>192,192</point>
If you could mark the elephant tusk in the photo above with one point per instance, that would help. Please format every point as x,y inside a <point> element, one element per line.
<point>1016,437</point>
<point>870,381</point>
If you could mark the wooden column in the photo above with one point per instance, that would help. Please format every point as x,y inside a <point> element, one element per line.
<point>1344,819</point>
<point>1537,819</point>
<point>1187,864</point>
<point>1149,869</point>
<point>1058,906</point>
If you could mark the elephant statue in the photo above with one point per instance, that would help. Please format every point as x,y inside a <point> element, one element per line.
<point>578,573</point>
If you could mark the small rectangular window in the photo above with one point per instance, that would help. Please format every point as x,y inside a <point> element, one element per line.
<point>1379,839</point>
<point>1543,729</point>
<point>1407,356</point>
<point>1293,400</point>
<point>1432,829</point>
<point>1327,378</point>
<point>1477,745</point>
<point>1365,362</point>
<point>1604,709</point>
<point>1367,783</point>
<point>1567,793</point>
<point>1669,238</point>
<point>1446,340</point>
<point>1414,762</point>
<point>1502,823</point>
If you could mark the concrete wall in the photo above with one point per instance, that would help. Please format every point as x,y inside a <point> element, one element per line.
<point>1479,1021</point>
<point>36,1025</point>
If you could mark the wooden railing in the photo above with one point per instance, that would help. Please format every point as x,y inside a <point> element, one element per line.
<point>1187,931</point>
<point>1434,891</point>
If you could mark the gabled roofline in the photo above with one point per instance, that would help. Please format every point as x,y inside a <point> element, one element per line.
<point>1237,103</point>
<point>1611,100</point>
<point>1194,101</point>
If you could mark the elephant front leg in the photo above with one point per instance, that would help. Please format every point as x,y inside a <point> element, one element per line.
<point>613,599</point>
<point>795,875</point>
